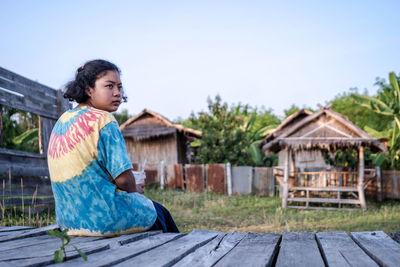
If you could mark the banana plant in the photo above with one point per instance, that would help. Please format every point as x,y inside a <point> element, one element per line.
<point>387,103</point>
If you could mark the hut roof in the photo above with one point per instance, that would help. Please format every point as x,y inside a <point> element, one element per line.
<point>324,129</point>
<point>149,124</point>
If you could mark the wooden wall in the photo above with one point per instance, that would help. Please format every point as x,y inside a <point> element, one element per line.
<point>29,96</point>
<point>154,150</point>
<point>305,160</point>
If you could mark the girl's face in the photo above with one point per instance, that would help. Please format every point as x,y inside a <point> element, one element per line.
<point>106,94</point>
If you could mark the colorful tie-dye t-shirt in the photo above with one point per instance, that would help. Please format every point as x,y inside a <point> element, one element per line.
<point>85,147</point>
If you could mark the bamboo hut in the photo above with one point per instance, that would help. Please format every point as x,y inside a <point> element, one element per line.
<point>300,140</point>
<point>152,137</point>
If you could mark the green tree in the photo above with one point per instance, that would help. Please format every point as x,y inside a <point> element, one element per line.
<point>387,104</point>
<point>224,139</point>
<point>230,134</point>
<point>122,116</point>
<point>293,109</point>
<point>20,130</point>
<point>360,115</point>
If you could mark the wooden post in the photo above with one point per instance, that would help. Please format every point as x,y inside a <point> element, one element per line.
<point>360,186</point>
<point>162,175</point>
<point>229,179</point>
<point>378,183</point>
<point>286,179</point>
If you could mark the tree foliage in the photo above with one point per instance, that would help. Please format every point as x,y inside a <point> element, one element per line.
<point>20,130</point>
<point>387,105</point>
<point>230,134</point>
<point>121,116</point>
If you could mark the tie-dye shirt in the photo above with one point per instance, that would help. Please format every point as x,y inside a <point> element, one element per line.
<point>85,147</point>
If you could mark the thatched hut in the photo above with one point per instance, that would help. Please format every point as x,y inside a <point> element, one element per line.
<point>300,140</point>
<point>152,137</point>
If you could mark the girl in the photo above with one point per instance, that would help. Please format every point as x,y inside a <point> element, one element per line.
<point>90,171</point>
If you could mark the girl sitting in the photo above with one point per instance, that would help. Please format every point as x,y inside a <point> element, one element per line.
<point>94,189</point>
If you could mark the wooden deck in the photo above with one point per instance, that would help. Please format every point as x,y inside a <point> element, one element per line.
<point>24,246</point>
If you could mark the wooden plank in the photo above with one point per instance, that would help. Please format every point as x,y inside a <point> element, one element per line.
<point>29,190</point>
<point>37,240</point>
<point>321,208</point>
<point>28,181</point>
<point>29,167</point>
<point>253,250</point>
<point>21,89</point>
<point>336,189</point>
<point>213,251</point>
<point>42,254</point>
<point>15,201</point>
<point>379,246</point>
<point>299,249</point>
<point>45,128</point>
<point>23,81</point>
<point>338,249</point>
<point>325,200</point>
<point>170,253</point>
<point>27,105</point>
<point>19,153</point>
<point>117,254</point>
<point>28,233</point>
<point>14,228</point>
<point>216,181</point>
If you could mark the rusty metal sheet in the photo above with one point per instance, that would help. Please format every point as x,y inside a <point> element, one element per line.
<point>194,178</point>
<point>174,176</point>
<point>178,170</point>
<point>151,177</point>
<point>216,178</point>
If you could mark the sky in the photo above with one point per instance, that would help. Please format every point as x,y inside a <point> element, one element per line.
<point>175,54</point>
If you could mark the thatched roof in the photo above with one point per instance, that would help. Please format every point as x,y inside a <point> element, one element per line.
<point>324,129</point>
<point>149,124</point>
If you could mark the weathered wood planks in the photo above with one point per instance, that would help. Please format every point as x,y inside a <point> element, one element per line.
<point>210,253</point>
<point>299,249</point>
<point>21,246</point>
<point>338,249</point>
<point>384,250</point>
<point>253,250</point>
<point>170,253</point>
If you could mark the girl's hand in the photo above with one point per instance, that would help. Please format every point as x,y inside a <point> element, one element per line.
<point>139,188</point>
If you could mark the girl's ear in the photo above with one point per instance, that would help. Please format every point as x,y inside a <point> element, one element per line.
<point>89,91</point>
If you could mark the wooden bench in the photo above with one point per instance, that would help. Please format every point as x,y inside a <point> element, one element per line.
<point>24,246</point>
<point>307,199</point>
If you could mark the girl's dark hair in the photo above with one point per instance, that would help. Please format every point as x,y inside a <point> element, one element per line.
<point>85,77</point>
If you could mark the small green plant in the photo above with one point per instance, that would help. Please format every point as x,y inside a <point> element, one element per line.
<point>60,255</point>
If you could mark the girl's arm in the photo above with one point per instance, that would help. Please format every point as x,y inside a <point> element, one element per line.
<point>126,182</point>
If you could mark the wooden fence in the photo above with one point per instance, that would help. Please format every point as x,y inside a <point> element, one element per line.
<point>31,168</point>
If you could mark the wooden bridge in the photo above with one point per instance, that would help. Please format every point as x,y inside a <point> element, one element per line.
<point>24,246</point>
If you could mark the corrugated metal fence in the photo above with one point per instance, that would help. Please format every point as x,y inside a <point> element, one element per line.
<point>217,178</point>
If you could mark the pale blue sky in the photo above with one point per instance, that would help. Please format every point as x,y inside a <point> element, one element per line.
<point>174,54</point>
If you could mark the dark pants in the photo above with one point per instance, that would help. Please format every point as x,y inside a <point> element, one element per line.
<point>164,220</point>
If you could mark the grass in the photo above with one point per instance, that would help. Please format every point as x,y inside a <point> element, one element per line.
<point>264,214</point>
<point>243,214</point>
